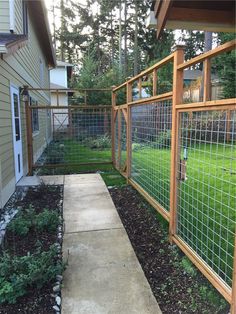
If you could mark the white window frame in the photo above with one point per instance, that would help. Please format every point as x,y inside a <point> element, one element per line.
<point>12,15</point>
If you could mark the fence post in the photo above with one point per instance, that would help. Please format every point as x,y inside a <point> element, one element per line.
<point>233,302</point>
<point>29,132</point>
<point>154,82</point>
<point>113,103</point>
<point>177,99</point>
<point>128,129</point>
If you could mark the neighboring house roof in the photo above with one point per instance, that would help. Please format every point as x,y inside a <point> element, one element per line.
<point>56,86</point>
<point>64,64</point>
<point>11,42</point>
<point>195,74</point>
<point>192,74</point>
<point>39,13</point>
<point>208,15</point>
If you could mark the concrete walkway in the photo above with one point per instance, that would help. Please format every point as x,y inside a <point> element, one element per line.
<point>103,275</point>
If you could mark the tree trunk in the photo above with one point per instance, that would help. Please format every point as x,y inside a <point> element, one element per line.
<point>120,40</point>
<point>62,7</point>
<point>136,39</point>
<point>125,42</point>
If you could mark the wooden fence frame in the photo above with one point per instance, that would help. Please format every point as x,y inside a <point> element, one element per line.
<point>177,57</point>
<point>28,115</point>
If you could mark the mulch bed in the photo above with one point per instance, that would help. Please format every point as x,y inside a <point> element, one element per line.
<point>36,301</point>
<point>176,290</point>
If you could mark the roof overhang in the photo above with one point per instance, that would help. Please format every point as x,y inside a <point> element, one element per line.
<point>38,12</point>
<point>208,15</point>
<point>9,43</point>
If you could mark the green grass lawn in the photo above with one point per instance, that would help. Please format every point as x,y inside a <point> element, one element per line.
<point>207,199</point>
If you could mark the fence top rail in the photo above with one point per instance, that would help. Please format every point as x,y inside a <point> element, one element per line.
<point>147,71</point>
<point>72,90</point>
<point>70,107</point>
<point>143,101</point>
<point>209,54</point>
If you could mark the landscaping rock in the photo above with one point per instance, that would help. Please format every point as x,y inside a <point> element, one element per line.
<point>59,278</point>
<point>58,300</point>
<point>56,308</point>
<point>56,288</point>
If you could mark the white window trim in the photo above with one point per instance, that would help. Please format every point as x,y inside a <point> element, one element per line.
<point>12,14</point>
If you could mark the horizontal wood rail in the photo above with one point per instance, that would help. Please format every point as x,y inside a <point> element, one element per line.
<point>71,107</point>
<point>219,284</point>
<point>144,101</point>
<point>209,54</point>
<point>72,164</point>
<point>217,104</point>
<point>156,66</point>
<point>70,89</point>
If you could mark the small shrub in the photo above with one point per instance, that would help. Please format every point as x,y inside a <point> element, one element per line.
<point>101,142</point>
<point>136,147</point>
<point>21,224</point>
<point>18,274</point>
<point>163,140</point>
<point>47,220</point>
<point>188,267</point>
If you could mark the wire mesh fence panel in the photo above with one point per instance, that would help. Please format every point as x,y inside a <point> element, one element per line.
<point>123,144</point>
<point>151,149</point>
<point>73,136</point>
<point>116,138</point>
<point>206,214</point>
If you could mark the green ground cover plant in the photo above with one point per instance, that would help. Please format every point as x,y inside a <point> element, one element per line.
<point>19,273</point>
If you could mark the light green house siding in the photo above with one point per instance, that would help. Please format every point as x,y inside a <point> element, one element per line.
<point>4,16</point>
<point>21,68</point>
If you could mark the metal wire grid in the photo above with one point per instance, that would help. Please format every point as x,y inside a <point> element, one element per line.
<point>78,136</point>
<point>116,139</point>
<point>123,155</point>
<point>151,143</point>
<point>206,214</point>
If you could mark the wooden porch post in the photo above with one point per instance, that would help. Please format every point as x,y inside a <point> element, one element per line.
<point>29,132</point>
<point>177,99</point>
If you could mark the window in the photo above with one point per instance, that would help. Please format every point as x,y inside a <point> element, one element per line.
<point>35,115</point>
<point>25,17</point>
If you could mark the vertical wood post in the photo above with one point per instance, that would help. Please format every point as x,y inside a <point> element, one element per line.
<point>207,80</point>
<point>29,132</point>
<point>119,138</point>
<point>140,87</point>
<point>57,98</point>
<point>154,82</point>
<point>177,99</point>
<point>233,302</point>
<point>128,130</point>
<point>113,102</point>
<point>85,98</point>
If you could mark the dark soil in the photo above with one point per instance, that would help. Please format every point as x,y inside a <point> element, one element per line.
<point>36,301</point>
<point>175,282</point>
